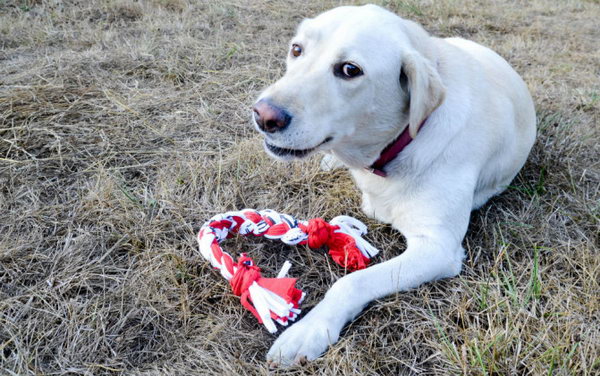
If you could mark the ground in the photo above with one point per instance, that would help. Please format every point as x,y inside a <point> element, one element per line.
<point>125,125</point>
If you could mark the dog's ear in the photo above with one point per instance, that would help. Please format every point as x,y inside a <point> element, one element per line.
<point>425,89</point>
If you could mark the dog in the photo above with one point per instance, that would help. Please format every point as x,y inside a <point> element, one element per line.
<point>429,128</point>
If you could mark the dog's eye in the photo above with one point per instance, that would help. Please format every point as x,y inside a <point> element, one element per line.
<point>296,50</point>
<point>351,70</point>
<point>347,70</point>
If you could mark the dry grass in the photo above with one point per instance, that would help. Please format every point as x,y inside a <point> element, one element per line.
<point>124,125</point>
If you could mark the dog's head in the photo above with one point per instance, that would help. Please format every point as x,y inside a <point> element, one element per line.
<point>356,76</point>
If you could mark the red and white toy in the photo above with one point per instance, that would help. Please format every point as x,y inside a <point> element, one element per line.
<point>277,298</point>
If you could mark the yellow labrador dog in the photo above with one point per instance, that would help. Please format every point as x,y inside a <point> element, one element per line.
<point>430,129</point>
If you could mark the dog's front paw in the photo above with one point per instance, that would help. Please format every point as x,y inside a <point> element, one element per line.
<point>302,342</point>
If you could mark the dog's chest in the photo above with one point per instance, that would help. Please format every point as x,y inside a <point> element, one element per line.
<point>383,198</point>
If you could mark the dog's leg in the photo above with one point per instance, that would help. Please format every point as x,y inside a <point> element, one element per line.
<point>427,258</point>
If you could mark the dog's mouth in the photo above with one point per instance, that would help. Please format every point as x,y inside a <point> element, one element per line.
<point>294,153</point>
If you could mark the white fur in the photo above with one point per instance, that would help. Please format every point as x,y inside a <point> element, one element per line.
<point>479,130</point>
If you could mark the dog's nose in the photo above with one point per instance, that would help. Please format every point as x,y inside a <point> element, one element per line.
<point>269,117</point>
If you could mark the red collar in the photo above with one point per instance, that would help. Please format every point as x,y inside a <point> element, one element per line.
<point>391,151</point>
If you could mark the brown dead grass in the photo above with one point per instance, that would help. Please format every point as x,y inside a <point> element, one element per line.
<point>124,125</point>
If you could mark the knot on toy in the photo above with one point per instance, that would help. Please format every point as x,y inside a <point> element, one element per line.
<point>246,273</point>
<point>319,232</point>
<point>342,246</point>
<point>267,298</point>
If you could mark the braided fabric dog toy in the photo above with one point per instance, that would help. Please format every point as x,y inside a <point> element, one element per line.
<point>277,298</point>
